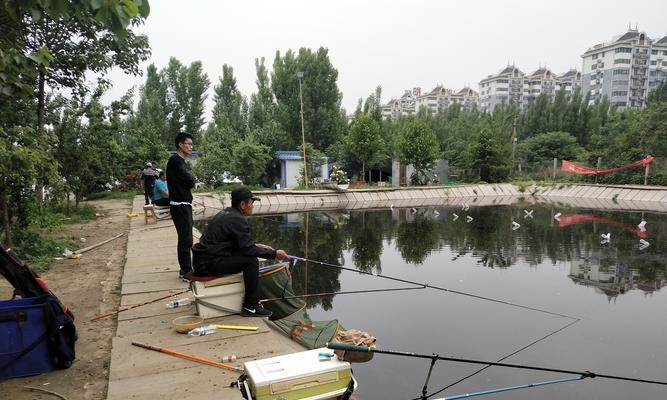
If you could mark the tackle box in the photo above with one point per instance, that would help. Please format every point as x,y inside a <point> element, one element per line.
<point>298,376</point>
<point>219,297</point>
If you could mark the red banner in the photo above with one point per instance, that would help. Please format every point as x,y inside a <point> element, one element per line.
<point>581,170</point>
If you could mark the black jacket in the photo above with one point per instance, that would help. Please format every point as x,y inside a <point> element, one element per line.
<point>180,180</point>
<point>228,234</point>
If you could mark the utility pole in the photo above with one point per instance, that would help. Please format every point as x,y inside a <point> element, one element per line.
<point>513,141</point>
<point>303,134</point>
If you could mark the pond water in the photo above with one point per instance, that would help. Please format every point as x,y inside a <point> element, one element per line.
<point>615,289</point>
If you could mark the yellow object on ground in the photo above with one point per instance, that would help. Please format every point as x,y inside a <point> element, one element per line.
<point>239,327</point>
<point>130,215</point>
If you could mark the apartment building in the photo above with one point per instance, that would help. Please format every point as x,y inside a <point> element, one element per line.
<point>507,86</point>
<point>625,69</point>
<point>441,98</point>
<point>405,105</point>
<point>540,81</point>
<point>569,81</point>
<point>511,85</point>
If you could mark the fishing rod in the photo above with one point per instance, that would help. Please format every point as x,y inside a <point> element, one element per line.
<point>426,285</point>
<point>340,292</point>
<point>585,374</point>
<point>498,360</point>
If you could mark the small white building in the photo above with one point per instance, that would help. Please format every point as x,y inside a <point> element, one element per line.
<point>290,166</point>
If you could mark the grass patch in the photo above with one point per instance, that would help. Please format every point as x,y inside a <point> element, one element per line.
<point>112,195</point>
<point>39,250</point>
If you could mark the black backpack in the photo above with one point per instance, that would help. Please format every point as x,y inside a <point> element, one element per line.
<point>61,331</point>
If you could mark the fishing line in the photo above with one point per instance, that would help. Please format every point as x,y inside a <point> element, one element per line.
<point>341,292</point>
<point>440,288</point>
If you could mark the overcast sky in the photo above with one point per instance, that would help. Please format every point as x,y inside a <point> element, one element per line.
<point>395,44</point>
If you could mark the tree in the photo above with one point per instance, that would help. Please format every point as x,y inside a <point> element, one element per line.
<point>22,160</point>
<point>418,145</point>
<point>365,142</point>
<point>260,110</point>
<point>153,108</point>
<point>229,111</point>
<point>186,92</point>
<point>487,160</point>
<point>323,121</point>
<point>547,146</point>
<point>249,160</point>
<point>21,64</point>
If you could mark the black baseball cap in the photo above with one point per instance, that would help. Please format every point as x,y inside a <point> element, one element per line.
<point>242,194</point>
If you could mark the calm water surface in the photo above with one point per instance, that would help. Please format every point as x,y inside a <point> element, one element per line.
<point>615,288</point>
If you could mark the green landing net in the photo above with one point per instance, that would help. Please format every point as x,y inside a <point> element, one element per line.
<point>289,313</point>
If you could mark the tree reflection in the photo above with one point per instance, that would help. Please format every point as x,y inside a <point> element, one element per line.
<point>489,238</point>
<point>366,231</point>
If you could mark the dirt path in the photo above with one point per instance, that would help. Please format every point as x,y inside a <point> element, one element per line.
<point>88,286</point>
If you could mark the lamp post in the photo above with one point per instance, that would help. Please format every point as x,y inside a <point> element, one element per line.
<point>303,135</point>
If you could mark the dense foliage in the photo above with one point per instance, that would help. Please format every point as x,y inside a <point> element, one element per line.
<point>58,141</point>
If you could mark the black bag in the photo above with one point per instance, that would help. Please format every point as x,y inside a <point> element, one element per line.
<point>62,333</point>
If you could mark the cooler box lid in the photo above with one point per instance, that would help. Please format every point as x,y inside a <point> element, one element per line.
<point>301,371</point>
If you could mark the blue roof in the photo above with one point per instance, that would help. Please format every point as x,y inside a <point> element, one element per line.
<point>289,155</point>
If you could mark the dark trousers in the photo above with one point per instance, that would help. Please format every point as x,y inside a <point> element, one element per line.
<point>161,202</point>
<point>148,194</point>
<point>182,217</point>
<point>232,265</point>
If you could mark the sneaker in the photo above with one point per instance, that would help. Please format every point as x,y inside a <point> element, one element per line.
<point>183,278</point>
<point>257,310</point>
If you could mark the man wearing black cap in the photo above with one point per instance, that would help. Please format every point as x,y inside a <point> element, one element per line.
<point>226,247</point>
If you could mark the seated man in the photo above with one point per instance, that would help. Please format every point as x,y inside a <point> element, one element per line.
<point>161,191</point>
<point>226,247</point>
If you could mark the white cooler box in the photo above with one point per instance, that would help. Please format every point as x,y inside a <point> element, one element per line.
<point>298,376</point>
<point>219,297</point>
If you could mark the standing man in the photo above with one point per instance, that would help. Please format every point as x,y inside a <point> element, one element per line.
<point>180,199</point>
<point>148,175</point>
<point>226,247</point>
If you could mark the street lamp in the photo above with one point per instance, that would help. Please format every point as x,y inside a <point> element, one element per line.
<point>303,135</point>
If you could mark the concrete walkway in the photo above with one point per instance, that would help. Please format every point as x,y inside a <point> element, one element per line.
<point>151,271</point>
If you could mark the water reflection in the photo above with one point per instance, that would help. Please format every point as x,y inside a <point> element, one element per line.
<point>614,268</point>
<point>544,263</point>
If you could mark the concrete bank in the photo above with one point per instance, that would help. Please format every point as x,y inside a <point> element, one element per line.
<point>644,198</point>
<point>151,271</point>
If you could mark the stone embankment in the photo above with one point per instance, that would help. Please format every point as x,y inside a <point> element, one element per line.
<point>645,198</point>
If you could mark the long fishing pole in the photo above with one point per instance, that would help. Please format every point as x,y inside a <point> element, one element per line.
<point>301,296</point>
<point>586,374</point>
<point>426,285</point>
<point>534,342</point>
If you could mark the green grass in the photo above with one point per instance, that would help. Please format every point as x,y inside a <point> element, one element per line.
<point>39,250</point>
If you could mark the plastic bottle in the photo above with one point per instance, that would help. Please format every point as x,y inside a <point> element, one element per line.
<point>227,359</point>
<point>203,330</point>
<point>175,303</point>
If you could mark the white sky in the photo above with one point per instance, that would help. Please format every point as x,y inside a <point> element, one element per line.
<point>396,44</point>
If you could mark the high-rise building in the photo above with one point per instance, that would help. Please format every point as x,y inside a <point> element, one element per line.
<point>507,86</point>
<point>625,69</point>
